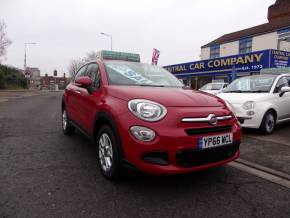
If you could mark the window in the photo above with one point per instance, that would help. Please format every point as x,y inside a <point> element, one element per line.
<point>81,72</point>
<point>93,73</point>
<point>138,74</point>
<point>284,30</point>
<point>246,45</point>
<point>284,39</point>
<point>252,84</point>
<point>214,51</point>
<point>283,82</point>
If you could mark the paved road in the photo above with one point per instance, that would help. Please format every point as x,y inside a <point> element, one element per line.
<point>46,174</point>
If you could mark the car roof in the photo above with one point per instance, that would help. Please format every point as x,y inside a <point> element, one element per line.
<point>274,74</point>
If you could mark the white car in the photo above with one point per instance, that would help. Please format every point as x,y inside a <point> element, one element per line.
<point>260,101</point>
<point>213,88</point>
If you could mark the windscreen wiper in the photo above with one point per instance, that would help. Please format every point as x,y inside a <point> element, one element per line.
<point>151,85</point>
<point>235,91</point>
<point>258,91</point>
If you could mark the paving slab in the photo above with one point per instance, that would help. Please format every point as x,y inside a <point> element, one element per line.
<point>281,134</point>
<point>266,153</point>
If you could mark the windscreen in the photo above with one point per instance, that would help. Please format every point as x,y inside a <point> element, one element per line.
<point>138,74</point>
<point>259,83</point>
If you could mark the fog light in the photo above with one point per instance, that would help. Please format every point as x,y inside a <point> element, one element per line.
<point>250,113</point>
<point>142,133</point>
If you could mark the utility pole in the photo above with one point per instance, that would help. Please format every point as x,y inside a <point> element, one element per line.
<point>25,51</point>
<point>111,39</point>
<point>25,59</point>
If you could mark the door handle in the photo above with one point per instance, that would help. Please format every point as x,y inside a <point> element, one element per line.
<point>78,92</point>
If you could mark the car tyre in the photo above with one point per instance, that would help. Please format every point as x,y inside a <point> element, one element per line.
<point>67,128</point>
<point>108,153</point>
<point>268,123</point>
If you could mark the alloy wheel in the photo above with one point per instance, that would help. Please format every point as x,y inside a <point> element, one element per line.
<point>105,152</point>
<point>270,122</point>
<point>64,120</point>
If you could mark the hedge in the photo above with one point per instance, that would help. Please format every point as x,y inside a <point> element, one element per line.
<point>11,78</point>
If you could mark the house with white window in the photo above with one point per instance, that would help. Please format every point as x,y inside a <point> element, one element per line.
<point>272,35</point>
<point>241,53</point>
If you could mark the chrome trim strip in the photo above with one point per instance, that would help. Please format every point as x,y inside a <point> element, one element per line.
<point>222,118</point>
<point>205,119</point>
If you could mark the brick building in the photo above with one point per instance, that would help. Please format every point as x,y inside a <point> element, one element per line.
<point>33,77</point>
<point>53,82</point>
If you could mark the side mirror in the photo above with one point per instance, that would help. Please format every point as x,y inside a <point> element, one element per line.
<point>284,90</point>
<point>84,82</point>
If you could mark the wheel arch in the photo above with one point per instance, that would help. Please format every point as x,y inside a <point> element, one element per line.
<point>62,103</point>
<point>103,118</point>
<point>274,112</point>
<point>268,107</point>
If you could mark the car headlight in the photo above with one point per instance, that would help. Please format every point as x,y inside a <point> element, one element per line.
<point>142,133</point>
<point>147,110</point>
<point>249,105</point>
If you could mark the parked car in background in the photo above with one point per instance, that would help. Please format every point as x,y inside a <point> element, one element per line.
<point>141,116</point>
<point>260,101</point>
<point>213,88</point>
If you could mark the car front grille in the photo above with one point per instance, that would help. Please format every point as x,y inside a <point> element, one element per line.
<point>193,157</point>
<point>216,129</point>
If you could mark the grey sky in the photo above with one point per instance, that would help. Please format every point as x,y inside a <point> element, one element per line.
<point>67,29</point>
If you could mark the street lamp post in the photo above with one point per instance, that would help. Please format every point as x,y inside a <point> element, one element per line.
<point>25,51</point>
<point>25,64</point>
<point>111,38</point>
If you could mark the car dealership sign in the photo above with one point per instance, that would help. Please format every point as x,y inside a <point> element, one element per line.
<point>250,62</point>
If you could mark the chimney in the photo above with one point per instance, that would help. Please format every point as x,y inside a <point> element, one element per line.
<point>280,9</point>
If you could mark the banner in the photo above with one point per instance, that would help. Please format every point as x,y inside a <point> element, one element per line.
<point>243,63</point>
<point>155,56</point>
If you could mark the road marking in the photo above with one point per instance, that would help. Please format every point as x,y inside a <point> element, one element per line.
<point>262,174</point>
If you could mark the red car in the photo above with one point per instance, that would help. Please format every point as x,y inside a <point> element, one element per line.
<point>141,116</point>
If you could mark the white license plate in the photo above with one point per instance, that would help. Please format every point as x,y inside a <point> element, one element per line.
<point>215,141</point>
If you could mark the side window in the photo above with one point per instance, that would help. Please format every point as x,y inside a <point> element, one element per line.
<point>81,72</point>
<point>281,83</point>
<point>93,73</point>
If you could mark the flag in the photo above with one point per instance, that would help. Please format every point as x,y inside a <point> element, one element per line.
<point>155,56</point>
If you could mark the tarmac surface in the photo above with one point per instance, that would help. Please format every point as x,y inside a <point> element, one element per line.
<point>46,174</point>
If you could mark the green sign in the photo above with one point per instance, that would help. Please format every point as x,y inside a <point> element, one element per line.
<point>279,70</point>
<point>114,55</point>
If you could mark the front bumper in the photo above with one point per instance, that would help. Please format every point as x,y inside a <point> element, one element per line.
<point>246,120</point>
<point>168,152</point>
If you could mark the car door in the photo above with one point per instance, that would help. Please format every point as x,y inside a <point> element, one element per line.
<point>282,103</point>
<point>74,97</point>
<point>90,101</point>
<point>287,96</point>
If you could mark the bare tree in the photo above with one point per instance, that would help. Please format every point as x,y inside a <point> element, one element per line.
<point>76,64</point>
<point>91,56</point>
<point>74,67</point>
<point>4,41</point>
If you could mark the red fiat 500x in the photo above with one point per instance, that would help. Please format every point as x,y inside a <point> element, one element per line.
<point>141,116</point>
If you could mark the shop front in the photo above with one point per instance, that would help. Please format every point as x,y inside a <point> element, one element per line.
<point>226,69</point>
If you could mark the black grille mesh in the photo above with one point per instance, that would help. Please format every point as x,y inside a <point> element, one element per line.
<point>193,157</point>
<point>199,131</point>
